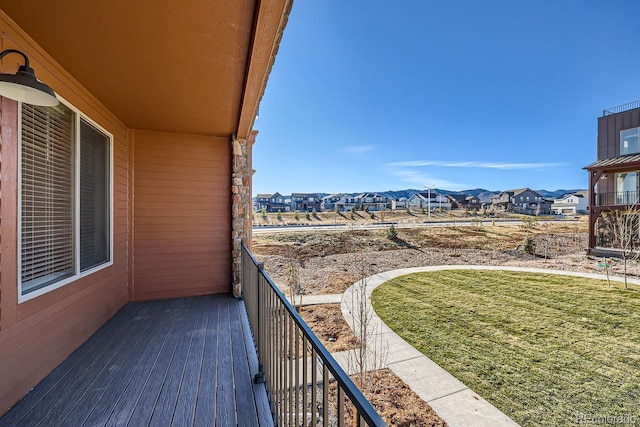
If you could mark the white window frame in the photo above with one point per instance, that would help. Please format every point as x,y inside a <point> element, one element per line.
<point>79,115</point>
<point>622,147</point>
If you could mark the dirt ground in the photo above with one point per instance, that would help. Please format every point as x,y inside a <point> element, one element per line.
<point>328,262</point>
<point>396,403</point>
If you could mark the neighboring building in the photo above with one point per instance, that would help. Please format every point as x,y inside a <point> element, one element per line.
<point>372,202</point>
<point>400,203</point>
<point>522,200</point>
<point>271,203</point>
<point>305,202</point>
<point>261,201</point>
<point>328,203</point>
<point>571,204</point>
<point>614,177</point>
<point>464,201</point>
<point>363,201</point>
<point>428,199</point>
<point>158,105</point>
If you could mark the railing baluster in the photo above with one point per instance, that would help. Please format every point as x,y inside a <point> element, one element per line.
<point>314,387</point>
<point>325,395</point>
<point>340,407</point>
<point>291,374</point>
<point>297,373</point>
<point>283,365</point>
<point>305,386</point>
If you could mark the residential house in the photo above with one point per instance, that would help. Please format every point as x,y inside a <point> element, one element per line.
<point>261,201</point>
<point>363,201</point>
<point>305,202</point>
<point>271,203</point>
<point>464,201</point>
<point>501,202</point>
<point>571,204</point>
<point>157,109</point>
<point>328,202</point>
<point>400,203</point>
<point>372,202</point>
<point>428,199</point>
<point>522,200</point>
<point>614,176</point>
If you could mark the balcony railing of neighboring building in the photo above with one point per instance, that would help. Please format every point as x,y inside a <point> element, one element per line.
<point>620,108</point>
<point>295,365</point>
<point>619,198</point>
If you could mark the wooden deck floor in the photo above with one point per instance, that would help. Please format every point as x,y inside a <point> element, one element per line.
<point>179,362</point>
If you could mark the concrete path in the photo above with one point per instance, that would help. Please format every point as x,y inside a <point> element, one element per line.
<point>320,299</point>
<point>456,403</point>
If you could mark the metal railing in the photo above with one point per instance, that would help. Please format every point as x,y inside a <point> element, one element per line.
<point>618,198</point>
<point>305,384</point>
<point>621,108</point>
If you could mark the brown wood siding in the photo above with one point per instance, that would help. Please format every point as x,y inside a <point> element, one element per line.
<point>182,215</point>
<point>37,335</point>
<point>609,128</point>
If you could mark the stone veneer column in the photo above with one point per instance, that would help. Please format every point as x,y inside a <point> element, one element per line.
<point>241,222</point>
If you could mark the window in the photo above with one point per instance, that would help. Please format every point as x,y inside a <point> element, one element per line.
<point>630,141</point>
<point>65,198</point>
<point>626,188</point>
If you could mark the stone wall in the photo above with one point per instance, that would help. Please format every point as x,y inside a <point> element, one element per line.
<point>242,172</point>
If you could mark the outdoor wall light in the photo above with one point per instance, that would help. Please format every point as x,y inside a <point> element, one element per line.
<point>23,86</point>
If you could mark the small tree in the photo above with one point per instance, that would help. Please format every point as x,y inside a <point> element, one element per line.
<point>528,245</point>
<point>296,289</point>
<point>279,215</point>
<point>528,223</point>
<point>623,226</point>
<point>297,216</point>
<point>372,353</point>
<point>392,233</point>
<point>476,222</point>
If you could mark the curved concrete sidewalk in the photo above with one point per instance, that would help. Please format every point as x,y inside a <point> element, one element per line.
<point>456,403</point>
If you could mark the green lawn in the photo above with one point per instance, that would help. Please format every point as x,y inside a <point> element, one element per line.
<point>542,348</point>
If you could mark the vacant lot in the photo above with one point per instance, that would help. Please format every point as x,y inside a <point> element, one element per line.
<point>328,262</point>
<point>542,348</point>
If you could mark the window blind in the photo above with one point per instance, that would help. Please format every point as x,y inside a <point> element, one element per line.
<point>47,195</point>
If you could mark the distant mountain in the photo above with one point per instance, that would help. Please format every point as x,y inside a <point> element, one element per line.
<point>557,194</point>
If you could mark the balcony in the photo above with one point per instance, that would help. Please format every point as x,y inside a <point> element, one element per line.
<point>193,361</point>
<point>621,108</point>
<point>620,198</point>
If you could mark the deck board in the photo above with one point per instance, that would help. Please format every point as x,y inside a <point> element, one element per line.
<point>24,407</point>
<point>225,409</point>
<point>179,362</point>
<point>205,408</point>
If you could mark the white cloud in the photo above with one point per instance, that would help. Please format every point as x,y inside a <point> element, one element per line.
<point>422,180</point>
<point>358,149</point>
<point>473,164</point>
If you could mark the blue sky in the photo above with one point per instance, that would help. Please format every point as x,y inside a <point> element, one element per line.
<point>498,94</point>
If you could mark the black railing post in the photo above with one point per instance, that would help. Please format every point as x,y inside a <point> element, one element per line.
<point>259,377</point>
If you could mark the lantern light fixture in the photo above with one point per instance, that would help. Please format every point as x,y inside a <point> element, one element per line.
<point>23,86</point>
